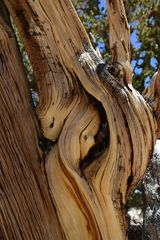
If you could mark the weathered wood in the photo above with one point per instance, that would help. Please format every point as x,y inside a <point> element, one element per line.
<point>26,208</point>
<point>119,39</point>
<point>79,96</point>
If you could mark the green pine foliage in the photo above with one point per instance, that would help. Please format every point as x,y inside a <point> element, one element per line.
<point>94,19</point>
<point>144,19</point>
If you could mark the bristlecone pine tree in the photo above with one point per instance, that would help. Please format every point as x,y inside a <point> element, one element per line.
<point>101,130</point>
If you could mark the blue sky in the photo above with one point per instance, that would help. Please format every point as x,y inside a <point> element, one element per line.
<point>102,3</point>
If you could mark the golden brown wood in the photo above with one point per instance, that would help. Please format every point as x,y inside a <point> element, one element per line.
<point>26,208</point>
<point>79,96</point>
<point>119,39</point>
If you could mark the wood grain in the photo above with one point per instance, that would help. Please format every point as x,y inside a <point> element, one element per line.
<point>26,208</point>
<point>78,95</point>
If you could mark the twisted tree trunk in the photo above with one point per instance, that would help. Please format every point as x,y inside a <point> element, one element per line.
<point>103,131</point>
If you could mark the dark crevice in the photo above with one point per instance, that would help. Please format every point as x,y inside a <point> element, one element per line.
<point>45,145</point>
<point>101,138</point>
<point>129,180</point>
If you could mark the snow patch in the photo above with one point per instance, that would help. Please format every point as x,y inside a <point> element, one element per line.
<point>157,147</point>
<point>136,216</point>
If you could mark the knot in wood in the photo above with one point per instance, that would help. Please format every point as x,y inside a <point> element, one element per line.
<point>116,70</point>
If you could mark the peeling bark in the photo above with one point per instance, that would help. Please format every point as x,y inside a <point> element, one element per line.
<point>82,104</point>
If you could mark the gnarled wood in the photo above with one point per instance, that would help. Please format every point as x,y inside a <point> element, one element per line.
<point>80,97</point>
<point>26,208</point>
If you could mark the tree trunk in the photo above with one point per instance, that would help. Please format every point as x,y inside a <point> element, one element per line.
<point>26,208</point>
<point>102,130</point>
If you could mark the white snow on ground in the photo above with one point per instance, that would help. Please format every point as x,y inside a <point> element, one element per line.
<point>157,147</point>
<point>136,216</point>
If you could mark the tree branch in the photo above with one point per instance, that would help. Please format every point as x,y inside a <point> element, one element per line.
<point>119,36</point>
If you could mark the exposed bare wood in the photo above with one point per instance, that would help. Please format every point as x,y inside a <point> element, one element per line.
<point>26,208</point>
<point>119,39</point>
<point>79,96</point>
